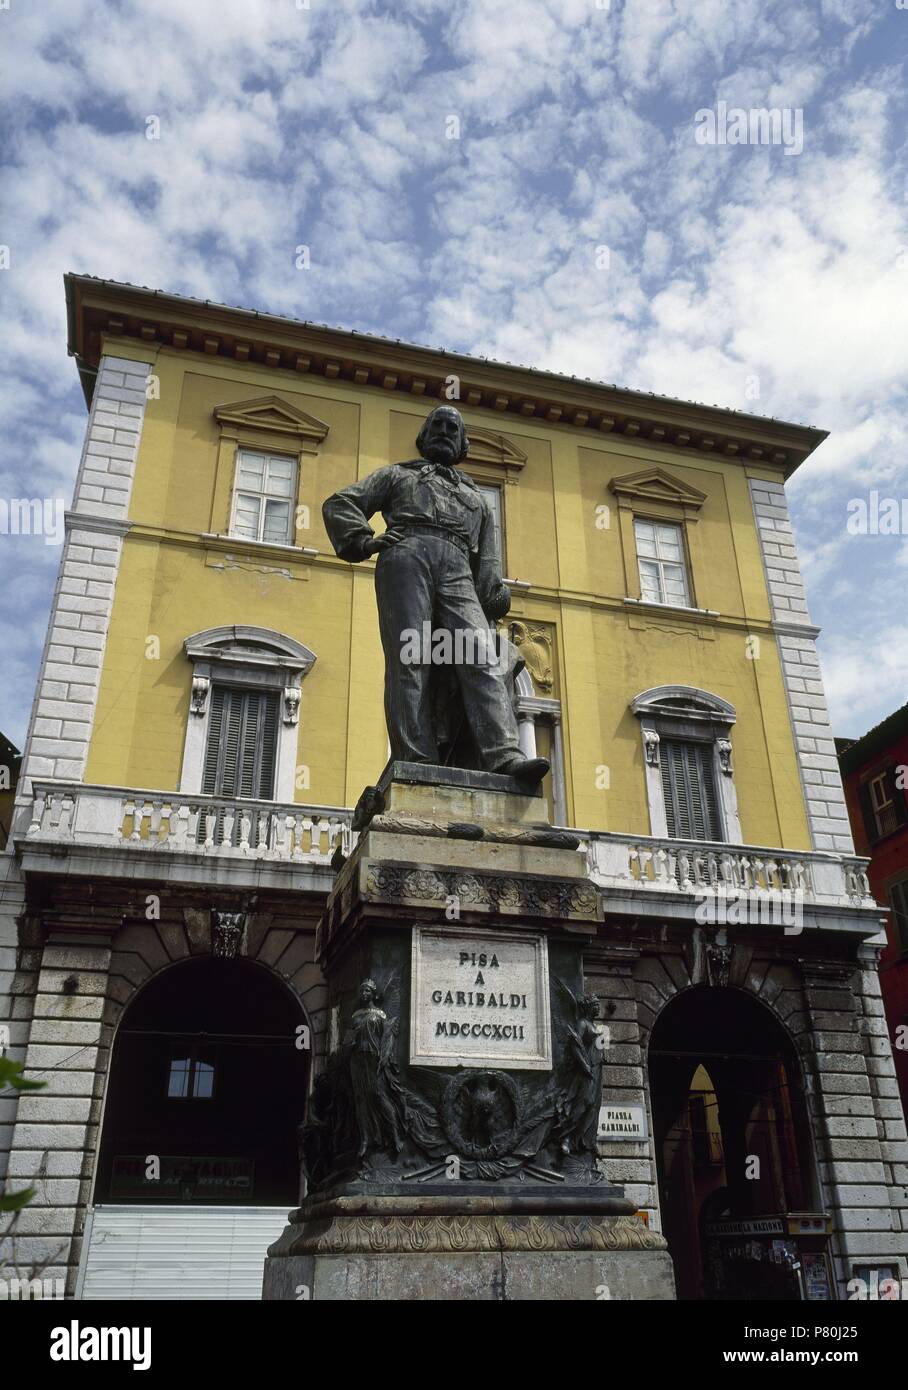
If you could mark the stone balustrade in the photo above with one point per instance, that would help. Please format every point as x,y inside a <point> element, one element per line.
<point>154,822</point>
<point>643,863</point>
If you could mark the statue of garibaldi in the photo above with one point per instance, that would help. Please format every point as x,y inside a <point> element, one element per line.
<point>438,573</point>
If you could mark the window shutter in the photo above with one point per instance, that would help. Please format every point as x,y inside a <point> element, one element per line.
<point>677,814</point>
<point>868,813</point>
<point>231,744</point>
<point>241,754</point>
<point>259,746</point>
<point>712,820</point>
<point>898,899</point>
<point>248,748</point>
<point>213,747</point>
<point>689,786</point>
<point>897,795</point>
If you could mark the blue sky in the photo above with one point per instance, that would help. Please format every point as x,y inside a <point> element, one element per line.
<point>731,270</point>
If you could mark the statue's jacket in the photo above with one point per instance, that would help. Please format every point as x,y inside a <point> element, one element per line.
<point>421,493</point>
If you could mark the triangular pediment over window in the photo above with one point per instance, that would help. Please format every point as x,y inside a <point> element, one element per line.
<point>271,415</point>
<point>486,446</point>
<point>655,485</point>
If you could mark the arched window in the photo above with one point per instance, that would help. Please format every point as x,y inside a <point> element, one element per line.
<point>726,1089</point>
<point>243,719</point>
<point>687,755</point>
<point>206,1075</point>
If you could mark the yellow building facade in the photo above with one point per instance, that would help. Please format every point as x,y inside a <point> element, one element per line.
<point>209,710</point>
<point>568,498</point>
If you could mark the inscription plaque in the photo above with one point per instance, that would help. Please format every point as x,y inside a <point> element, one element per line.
<point>617,1121</point>
<point>480,1000</point>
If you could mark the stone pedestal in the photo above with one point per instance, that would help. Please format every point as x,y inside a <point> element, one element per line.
<point>460,1247</point>
<point>450,1152</point>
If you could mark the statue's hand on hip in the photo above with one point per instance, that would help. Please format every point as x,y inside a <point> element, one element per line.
<point>498,604</point>
<point>382,542</point>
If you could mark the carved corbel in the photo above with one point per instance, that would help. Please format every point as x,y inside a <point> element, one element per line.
<point>291,704</point>
<point>227,933</point>
<point>718,964</point>
<point>651,747</point>
<point>724,748</point>
<point>198,700</point>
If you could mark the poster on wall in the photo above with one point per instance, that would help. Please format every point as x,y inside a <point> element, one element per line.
<point>816,1277</point>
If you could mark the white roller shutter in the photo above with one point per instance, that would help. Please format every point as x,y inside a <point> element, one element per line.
<point>177,1252</point>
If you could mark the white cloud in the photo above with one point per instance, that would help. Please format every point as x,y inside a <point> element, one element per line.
<point>864,675</point>
<point>327,126</point>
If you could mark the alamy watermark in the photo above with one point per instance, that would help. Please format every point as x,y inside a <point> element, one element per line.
<point>77,1343</point>
<point>730,907</point>
<point>464,646</point>
<point>33,516</point>
<point>881,1287</point>
<point>874,515</point>
<point>26,1290</point>
<point>733,125</point>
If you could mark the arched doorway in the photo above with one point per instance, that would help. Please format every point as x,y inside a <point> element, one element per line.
<point>208,1078</point>
<point>733,1149</point>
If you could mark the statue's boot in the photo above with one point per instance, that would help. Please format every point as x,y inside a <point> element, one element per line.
<point>529,770</point>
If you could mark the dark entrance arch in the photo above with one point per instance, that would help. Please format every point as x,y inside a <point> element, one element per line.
<point>732,1142</point>
<point>207,1077</point>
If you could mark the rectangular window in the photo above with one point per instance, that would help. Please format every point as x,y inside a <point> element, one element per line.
<point>660,555</point>
<point>263,497</point>
<point>178,1081</point>
<point>191,1076</point>
<point>492,495</point>
<point>882,804</point>
<point>689,785</point>
<point>241,752</point>
<point>898,901</point>
<point>203,1080</point>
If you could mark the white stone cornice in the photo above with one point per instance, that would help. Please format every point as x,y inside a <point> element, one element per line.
<point>795,629</point>
<point>87,521</point>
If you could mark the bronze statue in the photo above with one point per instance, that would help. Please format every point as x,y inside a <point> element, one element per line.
<point>377,1098</point>
<point>440,591</point>
<point>580,1101</point>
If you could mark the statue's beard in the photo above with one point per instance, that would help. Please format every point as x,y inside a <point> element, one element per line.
<point>443,451</point>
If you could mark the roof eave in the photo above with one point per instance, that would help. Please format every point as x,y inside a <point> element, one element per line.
<point>792,442</point>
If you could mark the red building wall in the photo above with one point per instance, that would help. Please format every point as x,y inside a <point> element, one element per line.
<point>880,749</point>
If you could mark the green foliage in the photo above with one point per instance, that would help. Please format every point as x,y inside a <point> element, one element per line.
<point>15,1201</point>
<point>11,1075</point>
